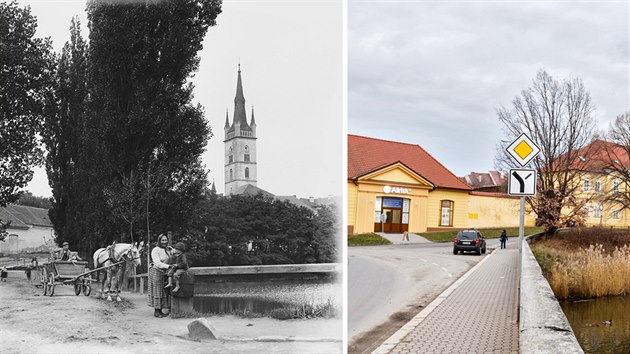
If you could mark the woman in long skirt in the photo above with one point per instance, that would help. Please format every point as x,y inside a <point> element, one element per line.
<point>158,299</point>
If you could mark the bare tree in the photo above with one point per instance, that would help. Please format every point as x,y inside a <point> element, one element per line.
<point>617,161</point>
<point>558,117</point>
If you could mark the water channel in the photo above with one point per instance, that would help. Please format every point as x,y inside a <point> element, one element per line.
<point>601,325</point>
<point>261,297</point>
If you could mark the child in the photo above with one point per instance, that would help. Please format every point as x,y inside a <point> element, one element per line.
<point>178,267</point>
<point>3,274</point>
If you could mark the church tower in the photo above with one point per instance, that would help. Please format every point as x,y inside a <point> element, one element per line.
<point>240,144</point>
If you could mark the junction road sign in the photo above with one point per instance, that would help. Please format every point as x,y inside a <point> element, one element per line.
<point>523,150</point>
<point>522,182</point>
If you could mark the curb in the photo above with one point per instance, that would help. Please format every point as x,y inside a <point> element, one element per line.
<point>392,341</point>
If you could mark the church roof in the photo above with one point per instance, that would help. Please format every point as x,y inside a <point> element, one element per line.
<point>240,116</point>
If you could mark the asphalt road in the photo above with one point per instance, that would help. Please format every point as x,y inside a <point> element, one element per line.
<point>384,280</point>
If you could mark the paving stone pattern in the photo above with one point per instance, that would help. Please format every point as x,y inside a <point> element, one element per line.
<point>480,316</point>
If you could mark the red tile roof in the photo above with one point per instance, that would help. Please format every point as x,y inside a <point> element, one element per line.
<point>600,155</point>
<point>368,154</point>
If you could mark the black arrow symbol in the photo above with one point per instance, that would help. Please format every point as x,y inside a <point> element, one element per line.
<point>520,181</point>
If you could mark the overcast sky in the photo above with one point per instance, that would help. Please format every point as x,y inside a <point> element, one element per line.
<point>291,61</point>
<point>433,73</point>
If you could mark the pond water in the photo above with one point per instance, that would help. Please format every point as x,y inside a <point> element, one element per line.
<point>261,297</point>
<point>601,325</point>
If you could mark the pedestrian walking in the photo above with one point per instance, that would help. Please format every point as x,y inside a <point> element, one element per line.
<point>503,239</point>
<point>405,236</point>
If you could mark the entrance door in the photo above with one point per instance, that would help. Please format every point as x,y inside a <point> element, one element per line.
<point>393,220</point>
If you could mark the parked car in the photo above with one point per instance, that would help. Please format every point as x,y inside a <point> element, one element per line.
<point>469,241</point>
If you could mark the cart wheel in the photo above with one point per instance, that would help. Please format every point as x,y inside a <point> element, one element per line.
<point>87,289</point>
<point>51,284</point>
<point>77,287</point>
<point>44,281</point>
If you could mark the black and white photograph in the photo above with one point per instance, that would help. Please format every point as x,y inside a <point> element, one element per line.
<point>171,176</point>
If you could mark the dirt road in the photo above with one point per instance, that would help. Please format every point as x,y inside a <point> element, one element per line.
<point>65,323</point>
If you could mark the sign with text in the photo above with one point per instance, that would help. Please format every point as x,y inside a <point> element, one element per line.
<point>522,182</point>
<point>523,150</point>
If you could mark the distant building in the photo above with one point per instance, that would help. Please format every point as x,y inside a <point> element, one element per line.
<point>29,230</point>
<point>240,145</point>
<point>395,187</point>
<point>491,181</point>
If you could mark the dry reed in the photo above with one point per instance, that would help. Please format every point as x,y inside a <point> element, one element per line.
<point>585,273</point>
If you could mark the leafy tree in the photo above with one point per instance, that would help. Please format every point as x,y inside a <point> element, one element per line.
<point>558,117</point>
<point>122,118</point>
<point>28,199</point>
<point>26,65</point>
<point>68,163</point>
<point>246,230</point>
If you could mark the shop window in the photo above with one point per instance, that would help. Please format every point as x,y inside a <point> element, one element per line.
<point>246,172</point>
<point>446,213</point>
<point>587,185</point>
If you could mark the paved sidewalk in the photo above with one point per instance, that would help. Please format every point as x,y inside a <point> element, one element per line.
<point>478,314</point>
<point>396,239</point>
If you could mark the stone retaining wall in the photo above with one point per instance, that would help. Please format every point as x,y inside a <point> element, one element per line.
<point>544,327</point>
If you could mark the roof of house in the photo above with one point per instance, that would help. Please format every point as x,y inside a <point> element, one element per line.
<point>22,216</point>
<point>249,189</point>
<point>485,179</point>
<point>369,154</point>
<point>600,155</point>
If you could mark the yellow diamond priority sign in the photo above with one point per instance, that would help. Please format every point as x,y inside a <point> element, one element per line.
<point>523,149</point>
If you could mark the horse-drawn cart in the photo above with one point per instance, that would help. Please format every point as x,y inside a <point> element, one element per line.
<point>76,273</point>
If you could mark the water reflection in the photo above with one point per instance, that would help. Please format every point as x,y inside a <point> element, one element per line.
<point>261,297</point>
<point>601,325</point>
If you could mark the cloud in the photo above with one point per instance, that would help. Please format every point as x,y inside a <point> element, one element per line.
<point>438,70</point>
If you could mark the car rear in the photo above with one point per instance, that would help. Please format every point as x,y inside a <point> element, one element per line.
<point>467,241</point>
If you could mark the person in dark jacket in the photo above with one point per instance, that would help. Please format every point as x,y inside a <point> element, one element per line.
<point>503,239</point>
<point>179,266</point>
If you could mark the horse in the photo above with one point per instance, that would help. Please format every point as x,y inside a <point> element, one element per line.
<point>106,257</point>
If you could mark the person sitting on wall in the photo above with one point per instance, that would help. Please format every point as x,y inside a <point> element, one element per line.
<point>179,266</point>
<point>4,273</point>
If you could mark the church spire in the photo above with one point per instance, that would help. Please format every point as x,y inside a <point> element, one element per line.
<point>227,121</point>
<point>253,122</point>
<point>240,117</point>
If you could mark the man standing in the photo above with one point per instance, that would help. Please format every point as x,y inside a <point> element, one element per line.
<point>503,239</point>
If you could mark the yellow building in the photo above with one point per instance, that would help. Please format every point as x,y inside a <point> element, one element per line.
<point>395,187</point>
<point>487,210</point>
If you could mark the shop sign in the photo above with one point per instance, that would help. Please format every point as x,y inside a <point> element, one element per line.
<point>396,190</point>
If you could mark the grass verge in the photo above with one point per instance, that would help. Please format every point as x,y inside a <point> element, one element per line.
<point>448,236</point>
<point>368,239</point>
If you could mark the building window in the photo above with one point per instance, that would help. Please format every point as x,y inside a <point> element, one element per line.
<point>585,211</point>
<point>615,214</point>
<point>597,211</point>
<point>246,148</point>
<point>246,157</point>
<point>230,158</point>
<point>246,172</point>
<point>598,187</point>
<point>616,184</point>
<point>231,176</point>
<point>446,213</point>
<point>587,185</point>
